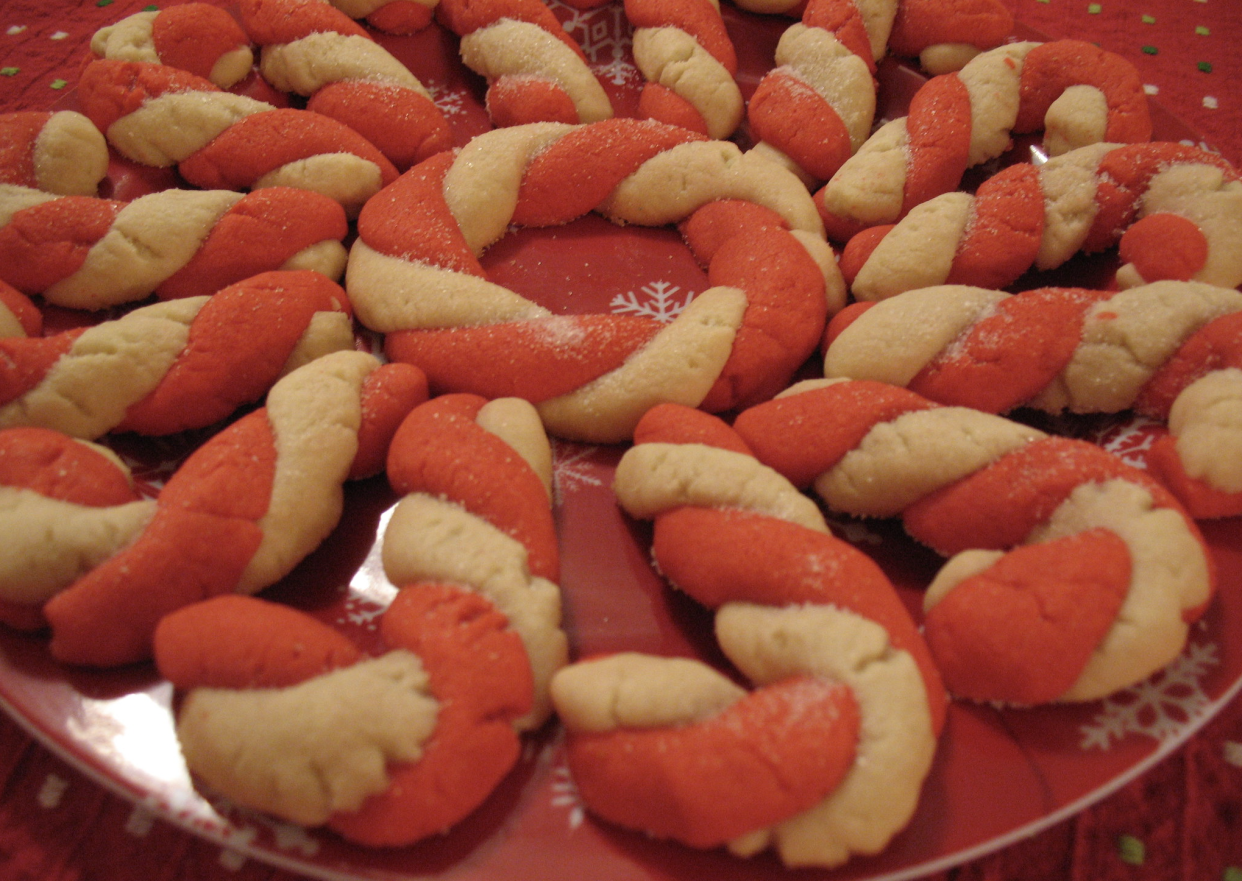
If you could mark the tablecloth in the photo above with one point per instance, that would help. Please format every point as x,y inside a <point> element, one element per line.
<point>1181,821</point>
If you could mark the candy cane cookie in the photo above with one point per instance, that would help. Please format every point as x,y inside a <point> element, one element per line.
<point>201,38</point>
<point>689,63</point>
<point>160,116</point>
<point>278,710</point>
<point>312,49</point>
<point>846,704</point>
<point>474,478</point>
<point>535,71</point>
<point>815,108</point>
<point>174,366</point>
<point>1070,574</point>
<point>944,37</point>
<point>83,252</point>
<point>1162,348</point>
<point>243,509</point>
<point>59,152</point>
<point>414,274</point>
<point>1173,211</point>
<point>1077,93</point>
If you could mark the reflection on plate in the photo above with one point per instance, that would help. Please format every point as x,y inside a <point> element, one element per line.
<point>999,774</point>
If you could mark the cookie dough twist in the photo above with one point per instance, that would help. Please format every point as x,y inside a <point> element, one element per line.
<point>414,274</point>
<point>945,36</point>
<point>1070,575</point>
<point>1173,211</point>
<point>160,116</point>
<point>688,60</point>
<point>278,710</point>
<point>83,252</point>
<point>202,38</point>
<point>312,49</point>
<point>59,152</point>
<point>175,366</point>
<point>476,510</point>
<point>846,704</point>
<point>1169,350</point>
<point>534,70</point>
<point>815,108</point>
<point>242,510</point>
<point>469,644</point>
<point>1077,93</point>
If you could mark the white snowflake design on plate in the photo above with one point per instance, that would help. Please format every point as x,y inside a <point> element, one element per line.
<point>451,102</point>
<point>658,300</point>
<point>605,36</point>
<point>1159,708</point>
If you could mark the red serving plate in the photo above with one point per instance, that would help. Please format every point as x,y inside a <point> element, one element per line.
<point>999,775</point>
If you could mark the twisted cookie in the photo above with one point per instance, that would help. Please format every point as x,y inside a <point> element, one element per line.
<point>312,49</point>
<point>534,70</point>
<point>1076,92</point>
<point>89,253</point>
<point>1174,211</point>
<point>161,116</point>
<point>1071,574</point>
<point>688,60</point>
<point>826,756</point>
<point>240,512</point>
<point>279,710</point>
<point>414,275</point>
<point>174,366</point>
<point>201,38</point>
<point>1170,350</point>
<point>58,152</point>
<point>469,644</point>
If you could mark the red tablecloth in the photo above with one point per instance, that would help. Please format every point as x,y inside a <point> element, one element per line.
<point>1182,820</point>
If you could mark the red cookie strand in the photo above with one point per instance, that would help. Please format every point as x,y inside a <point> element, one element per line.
<point>515,100</point>
<point>481,678</point>
<point>669,423</point>
<point>193,36</point>
<point>775,752</point>
<point>437,450</point>
<point>544,358</point>
<point>785,111</point>
<point>1052,601</point>
<point>109,90</point>
<point>18,132</point>
<point>389,393</point>
<point>464,17</point>
<point>923,23</point>
<point>401,17</point>
<point>236,641</point>
<point>415,201</point>
<point>59,467</point>
<point>938,125</point>
<point>1004,232</point>
<point>1164,247</point>
<point>997,507</point>
<point>44,243</point>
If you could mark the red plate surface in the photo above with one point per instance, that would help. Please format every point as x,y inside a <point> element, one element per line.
<point>1000,774</point>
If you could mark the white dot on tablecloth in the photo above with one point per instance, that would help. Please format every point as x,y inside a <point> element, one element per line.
<point>1210,103</point>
